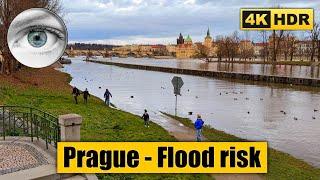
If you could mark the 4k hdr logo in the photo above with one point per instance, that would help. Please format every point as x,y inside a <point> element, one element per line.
<point>276,19</point>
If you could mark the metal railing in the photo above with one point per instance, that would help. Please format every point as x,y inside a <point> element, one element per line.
<point>29,122</point>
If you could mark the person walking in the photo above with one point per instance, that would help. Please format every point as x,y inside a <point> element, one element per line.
<point>107,96</point>
<point>75,93</point>
<point>146,118</point>
<point>86,94</point>
<point>198,124</point>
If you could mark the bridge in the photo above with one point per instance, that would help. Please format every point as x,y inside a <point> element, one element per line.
<point>123,51</point>
<point>73,53</point>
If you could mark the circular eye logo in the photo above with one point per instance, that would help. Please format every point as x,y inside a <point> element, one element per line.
<point>37,38</point>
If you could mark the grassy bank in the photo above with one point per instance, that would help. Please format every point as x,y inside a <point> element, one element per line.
<point>280,165</point>
<point>49,90</point>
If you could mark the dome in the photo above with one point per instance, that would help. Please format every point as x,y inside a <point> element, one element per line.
<point>188,39</point>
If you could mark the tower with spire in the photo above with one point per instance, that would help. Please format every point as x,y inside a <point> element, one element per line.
<point>208,40</point>
<point>180,39</point>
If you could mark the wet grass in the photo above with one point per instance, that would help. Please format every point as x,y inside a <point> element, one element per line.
<point>49,90</point>
<point>280,165</point>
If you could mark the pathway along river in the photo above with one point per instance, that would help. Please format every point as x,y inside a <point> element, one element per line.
<point>284,117</point>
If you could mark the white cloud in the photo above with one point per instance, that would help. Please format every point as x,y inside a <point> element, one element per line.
<point>124,21</point>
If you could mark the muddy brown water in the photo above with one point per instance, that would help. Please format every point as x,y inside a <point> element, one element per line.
<point>283,116</point>
<point>261,69</point>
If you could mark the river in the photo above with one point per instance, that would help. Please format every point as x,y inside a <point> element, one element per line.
<point>283,116</point>
<point>196,64</point>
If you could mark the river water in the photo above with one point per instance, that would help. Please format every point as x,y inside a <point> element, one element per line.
<point>261,69</point>
<point>248,111</point>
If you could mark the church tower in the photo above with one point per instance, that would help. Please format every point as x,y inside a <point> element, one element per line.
<point>188,40</point>
<point>208,40</point>
<point>180,40</point>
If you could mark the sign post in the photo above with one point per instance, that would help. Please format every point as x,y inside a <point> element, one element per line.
<point>177,83</point>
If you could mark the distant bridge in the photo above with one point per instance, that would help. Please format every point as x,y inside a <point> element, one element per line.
<point>106,53</point>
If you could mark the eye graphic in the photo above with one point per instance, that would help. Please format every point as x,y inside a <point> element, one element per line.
<point>37,38</point>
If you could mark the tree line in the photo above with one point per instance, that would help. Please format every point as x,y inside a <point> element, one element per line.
<point>274,46</point>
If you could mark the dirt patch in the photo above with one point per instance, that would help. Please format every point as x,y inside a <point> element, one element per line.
<point>45,78</point>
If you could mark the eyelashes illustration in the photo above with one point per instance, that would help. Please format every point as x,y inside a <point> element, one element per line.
<point>37,37</point>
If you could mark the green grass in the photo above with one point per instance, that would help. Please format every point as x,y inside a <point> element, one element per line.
<point>280,165</point>
<point>100,123</point>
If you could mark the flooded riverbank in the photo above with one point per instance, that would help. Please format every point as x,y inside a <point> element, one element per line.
<point>282,116</point>
<point>196,64</point>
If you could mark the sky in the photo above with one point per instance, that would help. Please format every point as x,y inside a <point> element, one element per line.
<point>121,22</point>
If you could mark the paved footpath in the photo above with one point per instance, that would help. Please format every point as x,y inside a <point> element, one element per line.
<point>186,134</point>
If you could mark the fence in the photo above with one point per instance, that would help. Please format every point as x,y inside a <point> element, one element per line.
<point>29,122</point>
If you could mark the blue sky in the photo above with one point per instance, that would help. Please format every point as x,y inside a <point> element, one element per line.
<point>159,21</point>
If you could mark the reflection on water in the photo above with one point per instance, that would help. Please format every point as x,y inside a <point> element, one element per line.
<point>248,111</point>
<point>262,69</point>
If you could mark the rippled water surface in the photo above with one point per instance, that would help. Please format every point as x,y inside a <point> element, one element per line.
<point>280,70</point>
<point>248,111</point>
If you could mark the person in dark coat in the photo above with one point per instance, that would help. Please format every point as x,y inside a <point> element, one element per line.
<point>86,94</point>
<point>75,93</point>
<point>107,96</point>
<point>146,118</point>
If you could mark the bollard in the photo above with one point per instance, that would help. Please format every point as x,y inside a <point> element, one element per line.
<point>70,127</point>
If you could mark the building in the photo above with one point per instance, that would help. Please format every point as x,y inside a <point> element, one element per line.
<point>171,50</point>
<point>208,40</point>
<point>258,48</point>
<point>185,48</point>
<point>210,49</point>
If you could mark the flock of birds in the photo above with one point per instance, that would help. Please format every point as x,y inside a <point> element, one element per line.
<point>235,99</point>
<point>261,99</point>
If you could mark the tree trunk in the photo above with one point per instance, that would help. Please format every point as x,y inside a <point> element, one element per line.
<point>318,50</point>
<point>274,58</point>
<point>312,51</point>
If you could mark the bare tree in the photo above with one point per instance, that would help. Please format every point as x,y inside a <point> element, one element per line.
<point>220,47</point>
<point>264,52</point>
<point>9,9</point>
<point>235,40</point>
<point>314,36</point>
<point>276,40</point>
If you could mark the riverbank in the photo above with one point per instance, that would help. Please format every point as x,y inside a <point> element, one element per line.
<point>220,74</point>
<point>281,165</point>
<point>39,88</point>
<point>49,90</point>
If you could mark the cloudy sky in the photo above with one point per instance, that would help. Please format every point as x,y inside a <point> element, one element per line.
<point>159,21</point>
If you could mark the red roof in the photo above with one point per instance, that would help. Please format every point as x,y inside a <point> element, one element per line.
<point>157,46</point>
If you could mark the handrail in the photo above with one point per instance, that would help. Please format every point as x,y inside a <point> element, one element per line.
<point>29,121</point>
<point>30,108</point>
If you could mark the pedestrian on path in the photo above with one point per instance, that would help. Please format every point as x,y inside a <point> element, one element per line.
<point>75,93</point>
<point>146,118</point>
<point>86,94</point>
<point>198,124</point>
<point>107,96</point>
